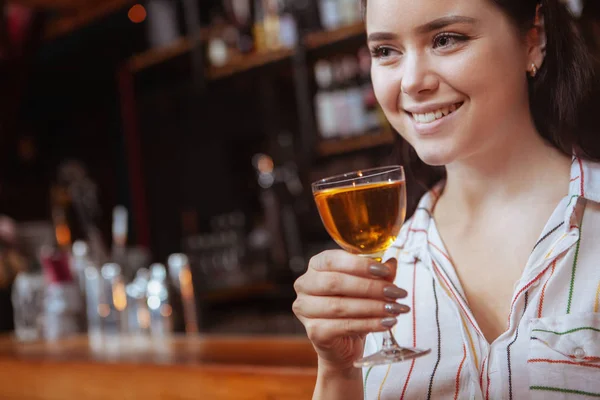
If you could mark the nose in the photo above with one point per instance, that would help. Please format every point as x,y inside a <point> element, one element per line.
<point>417,77</point>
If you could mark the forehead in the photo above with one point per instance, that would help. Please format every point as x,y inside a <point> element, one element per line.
<point>406,15</point>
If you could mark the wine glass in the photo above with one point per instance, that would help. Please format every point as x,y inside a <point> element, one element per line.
<point>363,211</point>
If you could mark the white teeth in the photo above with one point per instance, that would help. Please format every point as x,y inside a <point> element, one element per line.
<point>432,116</point>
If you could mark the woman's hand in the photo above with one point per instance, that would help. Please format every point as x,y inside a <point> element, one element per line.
<point>341,298</point>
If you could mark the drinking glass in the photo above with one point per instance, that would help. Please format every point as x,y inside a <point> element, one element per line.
<point>363,211</point>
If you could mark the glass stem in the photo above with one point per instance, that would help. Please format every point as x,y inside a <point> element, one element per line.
<point>389,342</point>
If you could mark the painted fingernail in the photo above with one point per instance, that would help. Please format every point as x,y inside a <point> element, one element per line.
<point>394,292</point>
<point>396,309</point>
<point>380,271</point>
<point>389,322</point>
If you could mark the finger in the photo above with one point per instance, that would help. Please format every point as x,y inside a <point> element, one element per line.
<point>341,261</point>
<point>392,264</point>
<point>325,331</point>
<point>343,285</point>
<point>342,307</point>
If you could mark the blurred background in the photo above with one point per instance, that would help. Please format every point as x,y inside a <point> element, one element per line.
<point>156,158</point>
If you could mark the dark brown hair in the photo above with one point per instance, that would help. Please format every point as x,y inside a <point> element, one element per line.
<point>558,93</point>
<point>590,23</point>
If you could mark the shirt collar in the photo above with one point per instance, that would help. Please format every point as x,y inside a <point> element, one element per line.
<point>416,235</point>
<point>424,211</point>
<point>585,179</point>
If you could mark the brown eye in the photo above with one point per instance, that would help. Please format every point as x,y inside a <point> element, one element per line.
<point>382,52</point>
<point>444,41</point>
<point>448,40</point>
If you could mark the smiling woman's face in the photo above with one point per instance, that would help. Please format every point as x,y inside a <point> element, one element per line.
<point>449,75</point>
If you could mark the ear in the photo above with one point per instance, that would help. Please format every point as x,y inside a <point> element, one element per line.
<point>536,41</point>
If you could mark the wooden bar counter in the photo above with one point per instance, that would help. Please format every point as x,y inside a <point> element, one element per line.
<point>178,368</point>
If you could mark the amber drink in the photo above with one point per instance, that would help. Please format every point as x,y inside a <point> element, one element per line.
<point>363,219</point>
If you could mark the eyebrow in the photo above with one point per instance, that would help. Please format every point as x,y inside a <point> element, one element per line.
<point>444,22</point>
<point>434,25</point>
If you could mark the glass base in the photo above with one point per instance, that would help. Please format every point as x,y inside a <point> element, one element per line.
<point>390,356</point>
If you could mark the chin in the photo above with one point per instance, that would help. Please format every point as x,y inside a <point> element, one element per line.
<point>435,155</point>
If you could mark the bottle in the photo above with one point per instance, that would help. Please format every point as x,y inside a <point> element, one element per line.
<point>347,11</point>
<point>221,42</point>
<point>163,27</point>
<point>93,301</point>
<point>218,54</point>
<point>329,13</point>
<point>271,24</point>
<point>340,100</point>
<point>289,26</point>
<point>119,227</point>
<point>119,234</point>
<point>63,306</point>
<point>358,12</point>
<point>350,11</point>
<point>260,40</point>
<point>61,204</point>
<point>28,301</point>
<point>158,301</point>
<point>138,313</point>
<point>288,31</point>
<point>181,277</point>
<point>324,100</point>
<point>354,96</point>
<point>79,262</point>
<point>241,14</point>
<point>114,300</point>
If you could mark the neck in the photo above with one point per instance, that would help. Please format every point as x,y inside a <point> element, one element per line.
<point>522,164</point>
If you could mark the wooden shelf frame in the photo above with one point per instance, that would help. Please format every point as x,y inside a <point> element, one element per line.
<point>82,16</point>
<point>184,45</point>
<point>248,62</point>
<point>320,39</point>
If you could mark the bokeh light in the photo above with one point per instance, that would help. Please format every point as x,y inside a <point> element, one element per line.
<point>137,14</point>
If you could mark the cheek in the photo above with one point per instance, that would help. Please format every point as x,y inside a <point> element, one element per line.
<point>492,71</point>
<point>386,91</point>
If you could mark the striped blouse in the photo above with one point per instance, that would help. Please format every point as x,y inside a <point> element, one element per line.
<point>551,349</point>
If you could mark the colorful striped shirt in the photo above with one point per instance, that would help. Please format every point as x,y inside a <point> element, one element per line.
<point>551,348</point>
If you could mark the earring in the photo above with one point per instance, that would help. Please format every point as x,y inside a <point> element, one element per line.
<point>533,70</point>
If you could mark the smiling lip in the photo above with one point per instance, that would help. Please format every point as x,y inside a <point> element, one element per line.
<point>428,119</point>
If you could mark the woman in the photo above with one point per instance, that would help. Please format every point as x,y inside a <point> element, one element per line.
<point>490,90</point>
